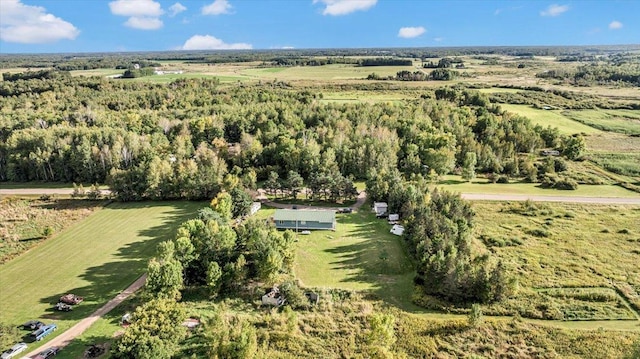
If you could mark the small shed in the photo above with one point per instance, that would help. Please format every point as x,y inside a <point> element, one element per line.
<point>255,207</point>
<point>304,219</point>
<point>380,208</point>
<point>273,298</point>
<point>397,229</point>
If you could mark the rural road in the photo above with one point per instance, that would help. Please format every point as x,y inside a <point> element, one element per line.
<point>362,197</point>
<point>65,338</point>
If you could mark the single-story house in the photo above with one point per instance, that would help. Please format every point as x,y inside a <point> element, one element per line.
<point>304,219</point>
<point>380,208</point>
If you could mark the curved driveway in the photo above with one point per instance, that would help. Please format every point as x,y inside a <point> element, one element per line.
<point>65,338</point>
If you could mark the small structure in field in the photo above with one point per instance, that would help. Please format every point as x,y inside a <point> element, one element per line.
<point>273,298</point>
<point>550,153</point>
<point>397,229</point>
<point>393,217</point>
<point>380,208</point>
<point>255,207</point>
<point>304,219</point>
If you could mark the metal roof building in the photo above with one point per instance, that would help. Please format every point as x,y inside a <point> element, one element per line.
<point>304,219</point>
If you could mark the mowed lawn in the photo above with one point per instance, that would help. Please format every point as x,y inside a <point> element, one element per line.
<point>360,255</point>
<point>551,118</point>
<point>96,258</point>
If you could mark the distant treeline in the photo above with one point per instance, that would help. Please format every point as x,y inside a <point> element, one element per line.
<point>385,62</point>
<point>435,75</point>
<point>589,75</point>
<point>30,75</point>
<point>87,61</point>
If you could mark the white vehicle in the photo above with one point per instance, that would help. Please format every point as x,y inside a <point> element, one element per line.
<point>14,351</point>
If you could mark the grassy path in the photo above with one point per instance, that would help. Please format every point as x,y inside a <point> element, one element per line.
<point>96,258</point>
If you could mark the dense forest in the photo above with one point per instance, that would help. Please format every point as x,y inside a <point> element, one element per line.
<point>180,140</point>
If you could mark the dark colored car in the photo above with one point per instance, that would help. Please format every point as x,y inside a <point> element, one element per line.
<point>32,325</point>
<point>47,353</point>
<point>62,307</point>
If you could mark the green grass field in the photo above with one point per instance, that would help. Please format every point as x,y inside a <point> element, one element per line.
<point>481,185</point>
<point>96,258</point>
<point>551,118</point>
<point>561,246</point>
<point>360,255</point>
<point>620,121</point>
<point>327,72</point>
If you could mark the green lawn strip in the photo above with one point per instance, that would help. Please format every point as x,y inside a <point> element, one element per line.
<point>95,258</point>
<point>553,118</point>
<point>481,185</point>
<point>360,255</point>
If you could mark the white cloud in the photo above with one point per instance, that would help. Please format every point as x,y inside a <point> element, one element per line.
<point>411,32</point>
<point>144,23</point>
<point>208,42</point>
<point>143,14</point>
<point>217,7</point>
<point>148,8</point>
<point>344,7</point>
<point>438,39</point>
<point>32,24</point>
<point>176,8</point>
<point>554,10</point>
<point>615,25</point>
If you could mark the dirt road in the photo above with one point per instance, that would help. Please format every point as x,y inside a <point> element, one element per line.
<point>41,191</point>
<point>65,338</point>
<point>362,197</point>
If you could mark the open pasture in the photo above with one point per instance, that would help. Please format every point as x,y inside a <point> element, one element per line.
<point>551,118</point>
<point>620,121</point>
<point>572,262</point>
<point>96,258</point>
<point>481,185</point>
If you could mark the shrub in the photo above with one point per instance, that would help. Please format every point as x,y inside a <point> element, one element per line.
<point>539,232</point>
<point>503,179</point>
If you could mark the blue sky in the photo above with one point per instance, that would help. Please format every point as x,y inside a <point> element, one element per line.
<point>37,26</point>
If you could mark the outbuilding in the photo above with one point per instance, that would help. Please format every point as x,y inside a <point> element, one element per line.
<point>380,208</point>
<point>304,219</point>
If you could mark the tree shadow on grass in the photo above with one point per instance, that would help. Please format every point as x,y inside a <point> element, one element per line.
<point>378,259</point>
<point>109,279</point>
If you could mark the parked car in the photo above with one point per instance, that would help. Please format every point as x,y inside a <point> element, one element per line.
<point>47,353</point>
<point>345,210</point>
<point>43,332</point>
<point>62,307</point>
<point>32,325</point>
<point>70,298</point>
<point>14,351</point>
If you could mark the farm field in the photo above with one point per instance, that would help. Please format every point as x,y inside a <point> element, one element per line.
<point>96,258</point>
<point>552,118</point>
